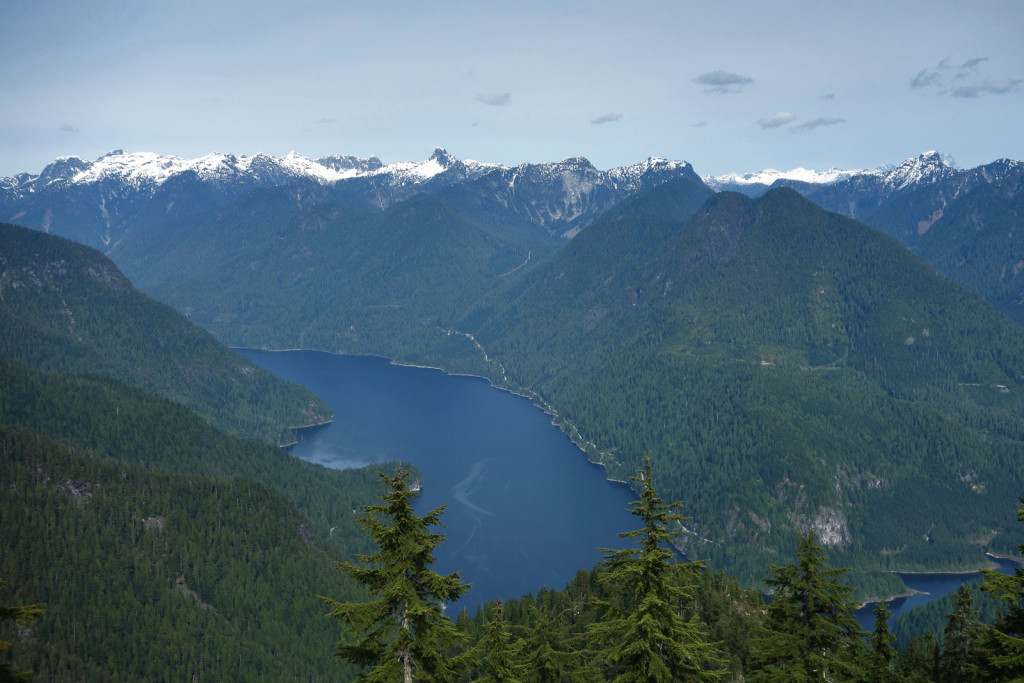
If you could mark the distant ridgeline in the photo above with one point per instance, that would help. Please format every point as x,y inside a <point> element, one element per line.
<point>785,368</point>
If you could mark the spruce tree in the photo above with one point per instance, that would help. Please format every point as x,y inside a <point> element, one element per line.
<point>402,635</point>
<point>647,638</point>
<point>810,632</point>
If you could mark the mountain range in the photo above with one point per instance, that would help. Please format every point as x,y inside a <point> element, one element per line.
<point>118,201</point>
<point>786,366</point>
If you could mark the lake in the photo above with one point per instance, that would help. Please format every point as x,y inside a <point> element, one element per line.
<point>525,508</point>
<point>927,587</point>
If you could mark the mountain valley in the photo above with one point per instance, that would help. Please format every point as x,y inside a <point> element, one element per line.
<point>829,356</point>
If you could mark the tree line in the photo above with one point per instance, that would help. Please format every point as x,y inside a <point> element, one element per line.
<point>646,615</point>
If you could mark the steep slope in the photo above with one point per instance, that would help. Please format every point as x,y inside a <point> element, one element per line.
<point>343,279</point>
<point>965,222</point>
<point>67,308</point>
<point>177,549</point>
<point>978,241</point>
<point>903,201</point>
<point>785,368</point>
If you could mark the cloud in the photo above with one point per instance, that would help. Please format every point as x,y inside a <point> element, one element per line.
<point>68,128</point>
<point>326,121</point>
<point>993,87</point>
<point>699,124</point>
<point>723,82</point>
<point>605,118</point>
<point>924,78</point>
<point>946,77</point>
<point>828,97</point>
<point>776,120</point>
<point>500,99</point>
<point>973,63</point>
<point>817,123</point>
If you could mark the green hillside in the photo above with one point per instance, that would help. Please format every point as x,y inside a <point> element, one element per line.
<point>148,575</point>
<point>978,243</point>
<point>162,548</point>
<point>340,279</point>
<point>66,308</point>
<point>785,368</point>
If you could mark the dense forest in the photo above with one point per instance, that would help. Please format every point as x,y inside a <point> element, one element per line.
<point>67,308</point>
<point>812,377</point>
<point>785,369</point>
<point>163,557</point>
<point>646,615</point>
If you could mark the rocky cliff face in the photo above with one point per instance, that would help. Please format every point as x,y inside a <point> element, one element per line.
<point>100,203</point>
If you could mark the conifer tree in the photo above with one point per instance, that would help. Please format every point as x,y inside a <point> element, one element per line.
<point>1005,641</point>
<point>883,657</point>
<point>810,632</point>
<point>647,638</point>
<point>496,650</point>
<point>919,659</point>
<point>958,640</point>
<point>546,657</point>
<point>403,635</point>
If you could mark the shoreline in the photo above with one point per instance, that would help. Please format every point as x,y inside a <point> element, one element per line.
<point>575,436</point>
<point>1019,561</point>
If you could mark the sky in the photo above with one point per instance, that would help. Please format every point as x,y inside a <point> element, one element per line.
<point>728,86</point>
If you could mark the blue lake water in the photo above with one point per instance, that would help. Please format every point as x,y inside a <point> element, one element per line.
<point>525,508</point>
<point>928,587</point>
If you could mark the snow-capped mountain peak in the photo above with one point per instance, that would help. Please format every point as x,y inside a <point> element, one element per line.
<point>927,167</point>
<point>769,176</point>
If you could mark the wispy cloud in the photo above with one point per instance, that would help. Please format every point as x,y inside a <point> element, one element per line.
<point>924,78</point>
<point>992,87</point>
<point>68,128</point>
<point>776,120</point>
<point>723,82</point>
<point>324,122</point>
<point>949,79</point>
<point>605,118</point>
<point>973,63</point>
<point>817,123</point>
<point>500,99</point>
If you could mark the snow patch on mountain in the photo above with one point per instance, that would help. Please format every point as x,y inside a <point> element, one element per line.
<point>148,170</point>
<point>926,168</point>
<point>770,175</point>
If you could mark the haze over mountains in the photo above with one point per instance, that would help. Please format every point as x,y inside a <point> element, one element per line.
<point>785,367</point>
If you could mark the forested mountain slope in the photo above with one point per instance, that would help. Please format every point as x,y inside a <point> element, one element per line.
<point>785,368</point>
<point>968,223</point>
<point>150,575</point>
<point>161,547</point>
<point>66,308</point>
<point>342,279</point>
<point>978,242</point>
